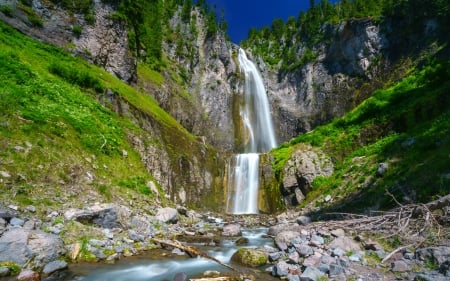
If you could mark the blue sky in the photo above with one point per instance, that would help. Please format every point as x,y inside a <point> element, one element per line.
<point>241,15</point>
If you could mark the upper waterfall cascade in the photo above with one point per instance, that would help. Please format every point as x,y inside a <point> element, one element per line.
<point>243,176</point>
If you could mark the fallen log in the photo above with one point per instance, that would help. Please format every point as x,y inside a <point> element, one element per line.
<point>193,252</point>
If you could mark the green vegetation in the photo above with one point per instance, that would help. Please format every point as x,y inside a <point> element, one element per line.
<point>15,268</point>
<point>293,42</point>
<point>55,135</point>
<point>405,126</point>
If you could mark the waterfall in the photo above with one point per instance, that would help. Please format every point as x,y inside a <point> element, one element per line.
<point>243,175</point>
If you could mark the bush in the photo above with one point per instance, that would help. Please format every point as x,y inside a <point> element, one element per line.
<point>76,30</point>
<point>6,10</point>
<point>79,77</point>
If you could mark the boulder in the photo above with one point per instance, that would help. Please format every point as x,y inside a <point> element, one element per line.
<point>103,215</point>
<point>311,274</point>
<point>231,230</point>
<point>250,257</point>
<point>53,266</point>
<point>167,215</point>
<point>285,238</point>
<point>28,275</point>
<point>345,243</point>
<point>23,246</point>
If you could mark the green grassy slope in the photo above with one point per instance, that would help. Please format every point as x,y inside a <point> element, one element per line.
<point>57,142</point>
<point>406,127</point>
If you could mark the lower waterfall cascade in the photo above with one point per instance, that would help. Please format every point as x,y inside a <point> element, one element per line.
<point>243,169</point>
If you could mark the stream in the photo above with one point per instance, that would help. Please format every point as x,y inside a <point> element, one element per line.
<point>160,264</point>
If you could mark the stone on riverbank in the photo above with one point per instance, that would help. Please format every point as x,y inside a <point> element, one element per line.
<point>250,257</point>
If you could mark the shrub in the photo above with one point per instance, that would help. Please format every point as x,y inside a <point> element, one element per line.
<point>76,30</point>
<point>6,10</point>
<point>79,77</point>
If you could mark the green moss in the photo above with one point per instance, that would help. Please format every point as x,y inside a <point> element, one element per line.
<point>15,268</point>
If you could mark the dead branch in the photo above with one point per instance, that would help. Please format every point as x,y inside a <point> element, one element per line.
<point>394,252</point>
<point>192,251</point>
<point>212,279</point>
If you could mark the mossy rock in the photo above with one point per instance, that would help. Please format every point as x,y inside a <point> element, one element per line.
<point>250,257</point>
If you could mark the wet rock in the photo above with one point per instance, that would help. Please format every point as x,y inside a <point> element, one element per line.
<point>180,276</point>
<point>28,275</point>
<point>178,252</point>
<point>167,215</point>
<point>250,257</point>
<point>53,266</point>
<point>231,230</point>
<point>303,220</point>
<point>242,241</point>
<point>4,271</point>
<point>311,274</point>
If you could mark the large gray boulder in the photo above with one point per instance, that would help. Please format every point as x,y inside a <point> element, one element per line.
<point>103,215</point>
<point>167,215</point>
<point>35,247</point>
<point>304,165</point>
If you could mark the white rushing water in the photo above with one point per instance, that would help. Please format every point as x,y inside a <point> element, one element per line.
<point>243,176</point>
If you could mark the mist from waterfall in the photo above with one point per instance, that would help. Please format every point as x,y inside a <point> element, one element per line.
<point>243,175</point>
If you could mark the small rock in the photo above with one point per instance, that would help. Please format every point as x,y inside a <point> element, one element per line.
<point>313,260</point>
<point>337,252</point>
<point>382,168</point>
<point>400,266</point>
<point>178,252</point>
<point>311,274</point>
<point>211,273</point>
<point>338,232</point>
<point>327,198</point>
<point>357,257</point>
<point>180,276</point>
<point>96,243</point>
<point>275,256</point>
<point>4,271</point>
<point>345,244</point>
<point>17,222</point>
<point>317,240</point>
<point>108,234</point>
<point>325,268</point>
<point>293,277</point>
<point>280,269</point>
<point>54,230</point>
<point>135,236</point>
<point>294,257</point>
<point>13,207</point>
<point>53,266</point>
<point>31,209</point>
<point>28,275</point>
<point>5,174</point>
<point>335,269</point>
<point>242,241</point>
<point>304,250</point>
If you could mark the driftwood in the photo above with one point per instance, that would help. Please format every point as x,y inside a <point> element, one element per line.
<point>193,252</point>
<point>412,223</point>
<point>213,279</point>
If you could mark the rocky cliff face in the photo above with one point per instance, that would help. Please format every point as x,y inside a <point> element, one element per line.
<point>319,91</point>
<point>210,79</point>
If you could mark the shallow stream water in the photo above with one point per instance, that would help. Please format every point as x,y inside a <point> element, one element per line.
<point>158,265</point>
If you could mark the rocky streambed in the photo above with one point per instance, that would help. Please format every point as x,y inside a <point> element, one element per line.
<point>120,244</point>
